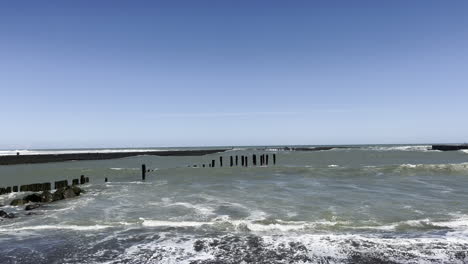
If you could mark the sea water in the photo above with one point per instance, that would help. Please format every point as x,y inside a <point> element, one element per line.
<point>362,204</point>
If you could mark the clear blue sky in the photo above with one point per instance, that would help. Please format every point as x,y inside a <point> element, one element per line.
<point>197,73</point>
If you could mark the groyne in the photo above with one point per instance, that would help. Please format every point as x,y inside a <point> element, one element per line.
<point>45,158</point>
<point>449,147</point>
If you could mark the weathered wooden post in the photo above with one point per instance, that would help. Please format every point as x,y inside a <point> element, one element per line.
<point>46,186</point>
<point>212,163</point>
<point>8,189</point>
<point>203,165</point>
<point>82,179</point>
<point>246,161</point>
<point>242,161</point>
<point>274,159</point>
<point>15,188</point>
<point>231,161</point>
<point>105,180</point>
<point>87,179</point>
<point>266,161</point>
<point>254,160</point>
<point>143,172</point>
<point>237,160</point>
<point>75,181</point>
<point>220,161</point>
<point>261,160</point>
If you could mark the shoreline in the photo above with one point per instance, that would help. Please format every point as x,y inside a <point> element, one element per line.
<point>47,158</point>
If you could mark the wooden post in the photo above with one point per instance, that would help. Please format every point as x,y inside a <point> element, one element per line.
<point>46,186</point>
<point>87,179</point>
<point>274,159</point>
<point>254,160</point>
<point>82,179</point>
<point>143,172</point>
<point>75,181</point>
<point>237,160</point>
<point>15,188</point>
<point>212,163</point>
<point>203,166</point>
<point>105,180</point>
<point>261,160</point>
<point>266,161</point>
<point>246,161</point>
<point>243,162</point>
<point>220,161</point>
<point>8,189</point>
<point>231,161</point>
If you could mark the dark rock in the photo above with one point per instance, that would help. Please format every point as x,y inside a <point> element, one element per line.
<point>58,195</point>
<point>34,198</point>
<point>17,202</point>
<point>66,193</point>
<point>4,214</point>
<point>31,213</point>
<point>198,245</point>
<point>69,193</point>
<point>32,207</point>
<point>46,197</point>
<point>77,190</point>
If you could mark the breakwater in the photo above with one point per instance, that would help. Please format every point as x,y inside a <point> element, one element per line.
<point>45,158</point>
<point>449,147</point>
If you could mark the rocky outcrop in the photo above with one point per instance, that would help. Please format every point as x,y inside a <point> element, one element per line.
<point>66,193</point>
<point>47,197</point>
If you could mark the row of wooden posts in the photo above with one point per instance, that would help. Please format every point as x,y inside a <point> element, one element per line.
<point>233,161</point>
<point>244,161</point>
<point>47,186</point>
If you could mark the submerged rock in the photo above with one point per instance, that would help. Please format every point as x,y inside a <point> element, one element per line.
<point>4,214</point>
<point>32,207</point>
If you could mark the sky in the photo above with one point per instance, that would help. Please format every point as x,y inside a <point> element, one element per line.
<point>83,74</point>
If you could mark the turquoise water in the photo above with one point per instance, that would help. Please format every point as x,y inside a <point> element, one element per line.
<point>387,204</point>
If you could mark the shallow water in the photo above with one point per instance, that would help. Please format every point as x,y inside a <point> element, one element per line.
<point>387,204</point>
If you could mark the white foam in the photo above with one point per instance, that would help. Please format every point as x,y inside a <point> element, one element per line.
<point>161,223</point>
<point>118,169</point>
<point>450,166</point>
<point>422,148</point>
<point>333,166</point>
<point>205,210</point>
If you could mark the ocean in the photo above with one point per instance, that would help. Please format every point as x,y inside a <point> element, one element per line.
<point>357,204</point>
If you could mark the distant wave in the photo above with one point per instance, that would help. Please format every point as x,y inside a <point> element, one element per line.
<point>423,148</point>
<point>436,167</point>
